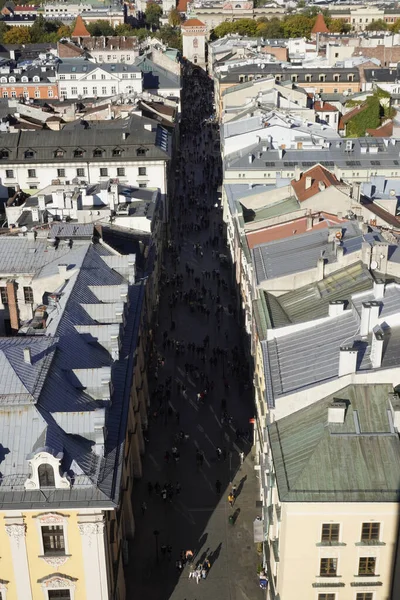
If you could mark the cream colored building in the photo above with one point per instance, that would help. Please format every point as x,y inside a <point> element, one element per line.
<point>72,412</point>
<point>332,511</point>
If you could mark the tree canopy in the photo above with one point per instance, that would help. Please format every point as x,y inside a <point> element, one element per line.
<point>152,14</point>
<point>378,25</point>
<point>174,17</point>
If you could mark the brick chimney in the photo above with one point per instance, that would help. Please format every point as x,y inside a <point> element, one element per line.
<point>11,287</point>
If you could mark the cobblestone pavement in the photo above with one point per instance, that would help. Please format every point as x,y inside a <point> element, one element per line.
<point>197,517</point>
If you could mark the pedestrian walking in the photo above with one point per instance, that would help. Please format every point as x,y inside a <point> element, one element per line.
<point>219,453</point>
<point>218,486</point>
<point>231,500</point>
<point>234,491</point>
<point>241,455</point>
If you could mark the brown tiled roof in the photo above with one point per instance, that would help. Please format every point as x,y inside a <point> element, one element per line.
<point>318,175</point>
<point>325,107</point>
<point>320,25</point>
<point>182,6</point>
<point>192,23</point>
<point>381,213</point>
<point>80,28</point>
<point>385,130</point>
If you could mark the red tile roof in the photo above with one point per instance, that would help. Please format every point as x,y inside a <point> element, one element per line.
<point>320,25</point>
<point>80,28</point>
<point>318,175</point>
<point>381,213</point>
<point>192,23</point>
<point>182,6</point>
<point>385,130</point>
<point>325,107</point>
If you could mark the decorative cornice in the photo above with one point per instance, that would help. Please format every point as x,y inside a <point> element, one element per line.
<point>51,518</point>
<point>55,561</point>
<point>57,580</point>
<point>95,528</point>
<point>16,531</point>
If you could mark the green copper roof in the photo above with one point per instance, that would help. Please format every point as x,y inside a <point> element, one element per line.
<point>316,461</point>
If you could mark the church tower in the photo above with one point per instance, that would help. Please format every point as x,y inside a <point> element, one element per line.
<point>194,42</point>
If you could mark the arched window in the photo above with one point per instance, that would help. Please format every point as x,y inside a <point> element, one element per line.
<point>46,475</point>
<point>195,43</point>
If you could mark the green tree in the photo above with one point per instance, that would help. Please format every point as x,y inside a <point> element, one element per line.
<point>222,29</point>
<point>64,32</point>
<point>124,29</point>
<point>18,35</point>
<point>152,14</point>
<point>143,33</point>
<point>246,27</point>
<point>170,36</point>
<point>3,30</point>
<point>339,26</point>
<point>174,17</point>
<point>395,28</point>
<point>270,29</point>
<point>99,28</point>
<point>378,25</point>
<point>297,26</point>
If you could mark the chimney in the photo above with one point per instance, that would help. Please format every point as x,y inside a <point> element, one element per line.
<point>250,159</point>
<point>309,222</point>
<point>125,135</point>
<point>378,338</point>
<point>369,316</point>
<point>320,268</point>
<point>42,201</point>
<point>379,289</point>
<point>27,356</point>
<point>308,182</point>
<point>99,430</point>
<point>62,270</point>
<point>336,307</point>
<point>321,186</point>
<point>347,360</point>
<point>336,411</point>
<point>394,405</point>
<point>12,305</point>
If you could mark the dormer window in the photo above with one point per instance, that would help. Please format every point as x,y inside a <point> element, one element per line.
<point>46,476</point>
<point>78,153</point>
<point>98,152</point>
<point>336,77</point>
<point>117,152</point>
<point>59,153</point>
<point>141,152</point>
<point>308,78</point>
<point>322,77</point>
<point>36,79</point>
<point>3,80</point>
<point>29,154</point>
<point>12,79</point>
<point>350,77</point>
<point>24,79</point>
<point>4,154</point>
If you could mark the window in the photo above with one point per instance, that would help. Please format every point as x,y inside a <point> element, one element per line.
<point>13,94</point>
<point>53,539</point>
<point>29,154</point>
<point>370,532</point>
<point>78,153</point>
<point>142,185</point>
<point>142,171</point>
<point>59,595</point>
<point>103,172</point>
<point>308,78</point>
<point>62,77</point>
<point>37,93</point>
<point>94,91</point>
<point>97,152</point>
<point>60,172</point>
<point>104,90</point>
<point>141,152</point>
<point>84,91</point>
<point>121,172</point>
<point>364,596</point>
<point>113,89</point>
<point>322,78</point>
<point>73,77</point>
<point>117,152</point>
<point>103,76</point>
<point>367,565</point>
<point>9,173</point>
<point>25,94</point>
<point>33,186</point>
<point>350,77</point>
<point>32,173</point>
<point>5,94</point>
<point>94,76</point>
<point>328,567</point>
<point>28,295</point>
<point>326,596</point>
<point>330,532</point>
<point>74,91</point>
<point>45,471</point>
<point>3,295</point>
<point>124,75</point>
<point>59,153</point>
<point>49,93</point>
<point>336,78</point>
<point>80,172</point>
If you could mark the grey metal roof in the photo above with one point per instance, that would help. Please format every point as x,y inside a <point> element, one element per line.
<point>301,252</point>
<point>62,415</point>
<point>366,153</point>
<point>312,301</point>
<point>82,66</point>
<point>71,230</point>
<point>45,145</point>
<point>234,73</point>
<point>317,461</point>
<point>155,76</point>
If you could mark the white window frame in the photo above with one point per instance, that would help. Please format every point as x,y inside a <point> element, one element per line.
<point>58,582</point>
<point>45,520</point>
<point>3,589</point>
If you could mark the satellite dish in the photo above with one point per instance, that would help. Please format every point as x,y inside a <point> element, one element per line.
<point>374,265</point>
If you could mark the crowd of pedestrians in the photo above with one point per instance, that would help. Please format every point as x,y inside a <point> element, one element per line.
<point>196,240</point>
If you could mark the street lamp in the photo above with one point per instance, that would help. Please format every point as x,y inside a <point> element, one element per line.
<point>156,533</point>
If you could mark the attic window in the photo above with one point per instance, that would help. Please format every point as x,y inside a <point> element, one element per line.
<point>4,154</point>
<point>141,152</point>
<point>29,154</point>
<point>59,153</point>
<point>46,475</point>
<point>98,152</point>
<point>117,152</point>
<point>78,153</point>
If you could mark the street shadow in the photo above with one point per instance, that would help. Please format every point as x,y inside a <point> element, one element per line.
<point>213,556</point>
<point>235,515</point>
<point>240,487</point>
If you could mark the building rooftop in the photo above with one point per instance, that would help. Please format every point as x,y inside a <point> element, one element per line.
<point>313,181</point>
<point>357,461</point>
<point>80,28</point>
<point>320,25</point>
<point>312,301</point>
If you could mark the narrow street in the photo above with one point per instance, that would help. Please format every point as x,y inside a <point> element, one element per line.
<point>199,349</point>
